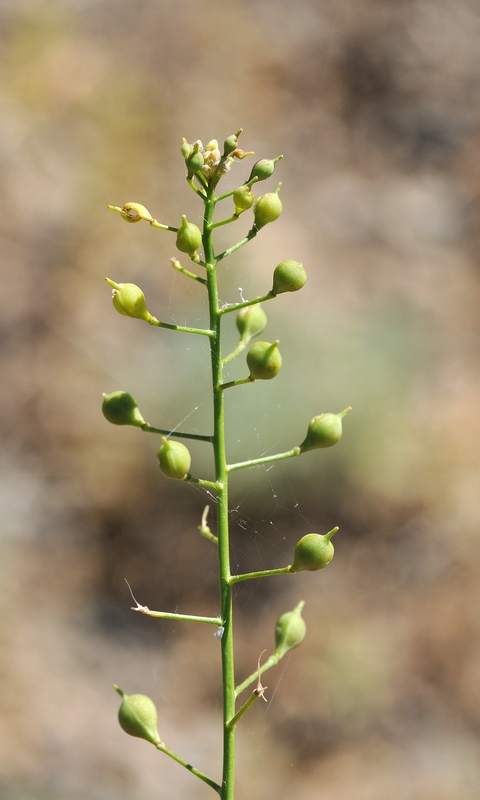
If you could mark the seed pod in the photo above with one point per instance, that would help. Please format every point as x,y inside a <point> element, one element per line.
<point>129,300</point>
<point>134,212</point>
<point>324,431</point>
<point>195,160</point>
<point>174,459</point>
<point>313,552</point>
<point>121,409</point>
<point>267,209</point>
<point>137,716</point>
<point>243,199</point>
<point>251,321</point>
<point>290,630</point>
<point>230,144</point>
<point>289,276</point>
<point>264,360</point>
<point>264,168</point>
<point>189,237</point>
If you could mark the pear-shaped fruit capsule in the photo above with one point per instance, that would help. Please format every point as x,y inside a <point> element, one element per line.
<point>195,160</point>
<point>313,552</point>
<point>230,144</point>
<point>137,716</point>
<point>267,208</point>
<point>324,431</point>
<point>251,321</point>
<point>189,237</point>
<point>290,630</point>
<point>243,199</point>
<point>264,168</point>
<point>174,459</point>
<point>121,409</point>
<point>129,300</point>
<point>289,276</point>
<point>264,360</point>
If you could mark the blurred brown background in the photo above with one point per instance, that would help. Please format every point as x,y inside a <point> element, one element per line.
<point>375,106</point>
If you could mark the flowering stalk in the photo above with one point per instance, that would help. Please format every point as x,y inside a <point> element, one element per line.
<point>205,167</point>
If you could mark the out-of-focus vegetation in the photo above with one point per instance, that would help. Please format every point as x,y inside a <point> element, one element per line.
<point>375,106</point>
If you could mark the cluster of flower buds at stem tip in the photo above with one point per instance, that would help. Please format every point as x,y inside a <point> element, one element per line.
<point>290,630</point>
<point>324,431</point>
<point>174,459</point>
<point>313,552</point>
<point>120,408</point>
<point>137,716</point>
<point>129,300</point>
<point>264,360</point>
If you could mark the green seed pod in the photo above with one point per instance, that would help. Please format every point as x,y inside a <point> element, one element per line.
<point>230,144</point>
<point>134,212</point>
<point>324,431</point>
<point>251,321</point>
<point>264,168</point>
<point>129,300</point>
<point>189,237</point>
<point>264,360</point>
<point>137,716</point>
<point>289,276</point>
<point>243,199</point>
<point>267,209</point>
<point>174,459</point>
<point>195,160</point>
<point>313,552</point>
<point>121,409</point>
<point>290,630</point>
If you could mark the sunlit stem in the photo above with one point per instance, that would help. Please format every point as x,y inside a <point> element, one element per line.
<point>176,265</point>
<point>255,462</point>
<point>236,306</point>
<point>199,331</point>
<point>271,661</point>
<point>165,432</point>
<point>248,238</point>
<point>160,746</point>
<point>265,573</point>
<point>224,222</point>
<point>229,384</point>
<point>254,696</point>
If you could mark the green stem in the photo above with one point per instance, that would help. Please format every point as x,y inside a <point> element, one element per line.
<point>264,573</point>
<point>221,475</point>
<point>185,617</point>
<point>165,432</point>
<point>176,265</point>
<point>250,235</point>
<point>245,303</point>
<point>254,696</point>
<point>224,222</point>
<point>160,746</point>
<point>271,661</point>
<point>199,331</point>
<point>240,381</point>
<point>254,462</point>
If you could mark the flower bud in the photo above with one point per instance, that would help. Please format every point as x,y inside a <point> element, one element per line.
<point>230,144</point>
<point>195,160</point>
<point>289,276</point>
<point>121,409</point>
<point>313,552</point>
<point>267,208</point>
<point>137,716</point>
<point>129,300</point>
<point>251,321</point>
<point>174,459</point>
<point>290,630</point>
<point>264,168</point>
<point>324,431</point>
<point>133,212</point>
<point>189,237</point>
<point>187,148</point>
<point>264,360</point>
<point>243,199</point>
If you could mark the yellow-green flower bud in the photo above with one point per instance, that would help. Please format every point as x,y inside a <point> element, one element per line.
<point>187,149</point>
<point>189,237</point>
<point>289,276</point>
<point>129,300</point>
<point>290,630</point>
<point>121,409</point>
<point>251,321</point>
<point>267,209</point>
<point>230,144</point>
<point>264,168</point>
<point>243,199</point>
<point>313,552</point>
<point>137,716</point>
<point>324,431</point>
<point>174,459</point>
<point>264,360</point>
<point>134,212</point>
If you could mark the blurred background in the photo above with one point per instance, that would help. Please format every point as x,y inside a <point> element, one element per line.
<point>375,105</point>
